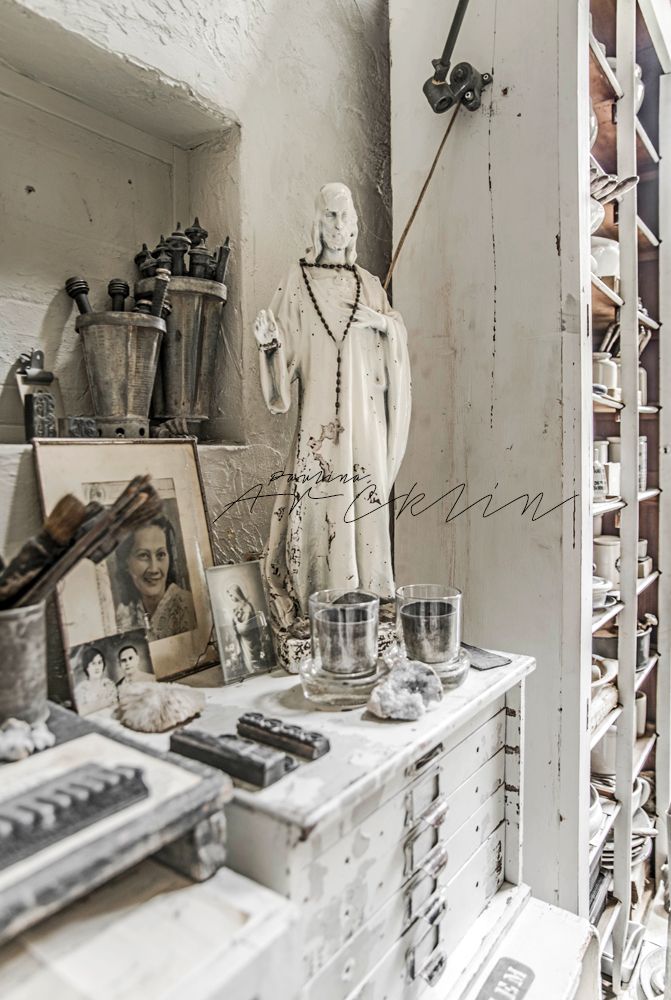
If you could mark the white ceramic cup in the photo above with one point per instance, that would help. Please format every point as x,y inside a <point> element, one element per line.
<point>614,449</point>
<point>607,557</point>
<point>646,790</point>
<point>601,450</point>
<point>641,714</point>
<point>606,252</point>
<point>603,754</point>
<point>642,548</point>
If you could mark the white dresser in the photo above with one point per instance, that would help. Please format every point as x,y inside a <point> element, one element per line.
<point>398,842</point>
<point>400,851</point>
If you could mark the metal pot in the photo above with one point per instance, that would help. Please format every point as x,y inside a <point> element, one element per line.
<point>606,644</point>
<point>184,379</point>
<point>23,664</point>
<point>121,351</point>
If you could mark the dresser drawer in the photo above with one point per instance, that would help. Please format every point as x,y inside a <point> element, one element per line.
<point>280,848</point>
<point>347,884</point>
<point>426,918</point>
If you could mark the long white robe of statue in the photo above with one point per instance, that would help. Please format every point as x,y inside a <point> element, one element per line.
<point>323,543</point>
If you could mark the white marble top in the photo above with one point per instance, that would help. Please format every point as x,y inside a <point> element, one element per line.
<point>364,750</point>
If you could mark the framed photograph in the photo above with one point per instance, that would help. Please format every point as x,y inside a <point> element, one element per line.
<point>241,620</point>
<point>154,582</point>
<point>98,669</point>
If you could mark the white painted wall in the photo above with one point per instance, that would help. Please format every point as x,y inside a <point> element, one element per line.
<point>494,295</point>
<point>307,87</point>
<point>263,102</point>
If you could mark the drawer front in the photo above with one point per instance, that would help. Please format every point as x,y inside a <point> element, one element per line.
<point>418,927</point>
<point>460,744</point>
<point>343,888</point>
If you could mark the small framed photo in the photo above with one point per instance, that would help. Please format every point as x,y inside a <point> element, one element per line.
<point>154,582</point>
<point>241,620</point>
<point>98,669</point>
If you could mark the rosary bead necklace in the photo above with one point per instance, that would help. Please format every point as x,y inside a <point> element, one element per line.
<point>334,267</point>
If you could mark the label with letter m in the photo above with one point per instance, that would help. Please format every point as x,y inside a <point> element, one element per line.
<point>508,980</point>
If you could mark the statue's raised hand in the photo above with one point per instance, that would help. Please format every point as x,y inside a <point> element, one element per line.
<point>265,330</point>
<point>367,318</point>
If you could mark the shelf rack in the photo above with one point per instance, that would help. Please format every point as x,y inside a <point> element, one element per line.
<point>636,141</point>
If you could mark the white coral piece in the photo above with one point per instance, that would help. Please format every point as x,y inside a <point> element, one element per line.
<point>153,708</point>
<point>407,692</point>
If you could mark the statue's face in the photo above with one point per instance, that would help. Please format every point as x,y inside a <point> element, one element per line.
<point>338,221</point>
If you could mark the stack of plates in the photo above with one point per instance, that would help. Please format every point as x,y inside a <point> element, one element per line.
<point>641,843</point>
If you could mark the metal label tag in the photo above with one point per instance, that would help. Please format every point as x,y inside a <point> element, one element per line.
<point>508,980</point>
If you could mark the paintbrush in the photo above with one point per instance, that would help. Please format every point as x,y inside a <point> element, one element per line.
<point>99,535</point>
<point>43,550</point>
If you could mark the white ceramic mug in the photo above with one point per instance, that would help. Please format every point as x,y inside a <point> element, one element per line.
<point>607,557</point>
<point>641,715</point>
<point>604,369</point>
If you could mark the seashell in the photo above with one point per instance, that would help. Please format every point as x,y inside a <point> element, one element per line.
<point>153,708</point>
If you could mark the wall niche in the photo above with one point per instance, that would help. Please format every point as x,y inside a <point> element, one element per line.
<point>100,155</point>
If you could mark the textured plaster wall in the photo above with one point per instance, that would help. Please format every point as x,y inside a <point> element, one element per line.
<point>305,87</point>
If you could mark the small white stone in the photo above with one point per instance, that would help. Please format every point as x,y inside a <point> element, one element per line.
<point>16,740</point>
<point>407,692</point>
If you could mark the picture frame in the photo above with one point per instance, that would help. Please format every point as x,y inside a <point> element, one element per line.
<point>154,583</point>
<point>241,620</point>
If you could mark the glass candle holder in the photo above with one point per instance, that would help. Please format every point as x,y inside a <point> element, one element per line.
<point>429,619</point>
<point>344,631</point>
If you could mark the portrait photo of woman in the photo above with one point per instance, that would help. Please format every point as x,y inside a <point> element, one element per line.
<point>96,690</point>
<point>241,620</point>
<point>151,584</point>
<point>250,628</point>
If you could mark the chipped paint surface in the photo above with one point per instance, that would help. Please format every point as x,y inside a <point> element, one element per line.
<point>346,836</point>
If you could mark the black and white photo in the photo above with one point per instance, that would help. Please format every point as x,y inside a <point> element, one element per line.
<point>241,619</point>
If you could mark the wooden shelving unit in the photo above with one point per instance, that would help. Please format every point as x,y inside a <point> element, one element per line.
<point>635,141</point>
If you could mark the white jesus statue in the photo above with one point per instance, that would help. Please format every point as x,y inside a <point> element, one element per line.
<point>330,328</point>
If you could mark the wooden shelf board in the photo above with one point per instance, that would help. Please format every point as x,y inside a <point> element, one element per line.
<point>646,237</point>
<point>604,726</point>
<point>603,83</point>
<point>607,506</point>
<point>648,495</point>
<point>645,148</point>
<point>645,671</point>
<point>642,749</point>
<point>648,321</point>
<point>601,290</point>
<point>610,813</point>
<point>646,581</point>
<point>606,923</point>
<point>605,404</point>
<point>606,617</point>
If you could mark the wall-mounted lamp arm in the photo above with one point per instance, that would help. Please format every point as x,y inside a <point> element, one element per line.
<point>465,84</point>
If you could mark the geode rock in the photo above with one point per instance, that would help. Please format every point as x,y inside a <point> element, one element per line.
<point>407,692</point>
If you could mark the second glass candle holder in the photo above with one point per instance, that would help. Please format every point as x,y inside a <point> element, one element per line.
<point>429,624</point>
